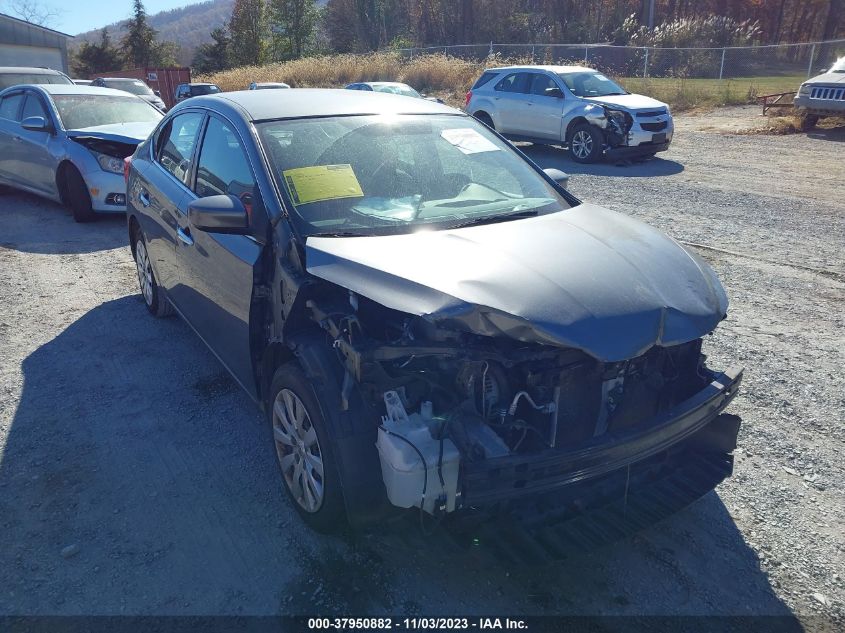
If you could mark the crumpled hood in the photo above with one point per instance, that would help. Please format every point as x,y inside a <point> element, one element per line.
<point>629,102</point>
<point>827,78</point>
<point>586,278</point>
<point>120,132</point>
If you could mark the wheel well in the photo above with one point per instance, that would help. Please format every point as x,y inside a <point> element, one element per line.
<point>274,356</point>
<point>572,124</point>
<point>481,113</point>
<point>134,229</point>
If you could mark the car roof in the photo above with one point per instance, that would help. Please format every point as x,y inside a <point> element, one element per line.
<point>30,70</point>
<point>551,69</point>
<point>384,83</point>
<point>120,79</point>
<point>75,89</point>
<point>198,83</point>
<point>315,102</point>
<point>269,83</point>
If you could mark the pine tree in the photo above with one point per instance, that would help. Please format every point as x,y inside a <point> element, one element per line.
<point>139,42</point>
<point>92,59</point>
<point>214,55</point>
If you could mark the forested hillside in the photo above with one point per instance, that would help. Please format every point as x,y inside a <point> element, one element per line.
<point>188,27</point>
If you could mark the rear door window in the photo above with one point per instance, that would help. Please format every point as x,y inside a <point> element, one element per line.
<point>176,143</point>
<point>515,82</point>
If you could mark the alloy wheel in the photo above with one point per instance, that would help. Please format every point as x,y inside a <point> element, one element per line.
<point>145,273</point>
<point>298,450</point>
<point>582,144</point>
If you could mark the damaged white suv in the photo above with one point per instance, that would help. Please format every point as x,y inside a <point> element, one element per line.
<point>573,106</point>
<point>822,96</point>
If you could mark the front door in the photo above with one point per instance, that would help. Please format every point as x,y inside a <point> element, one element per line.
<point>216,270</point>
<point>33,163</point>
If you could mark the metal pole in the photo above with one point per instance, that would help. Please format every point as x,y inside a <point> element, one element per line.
<point>722,67</point>
<point>533,61</point>
<point>491,49</point>
<point>645,66</point>
<point>586,55</point>
<point>810,65</point>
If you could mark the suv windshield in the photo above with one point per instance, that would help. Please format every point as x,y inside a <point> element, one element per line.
<point>587,84</point>
<point>135,86</point>
<point>13,79</point>
<point>78,112</point>
<point>366,175</point>
<point>204,90</point>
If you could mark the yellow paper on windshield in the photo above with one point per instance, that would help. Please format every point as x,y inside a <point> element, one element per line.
<point>322,182</point>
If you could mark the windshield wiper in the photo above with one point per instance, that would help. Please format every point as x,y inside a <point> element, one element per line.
<point>336,234</point>
<point>493,219</point>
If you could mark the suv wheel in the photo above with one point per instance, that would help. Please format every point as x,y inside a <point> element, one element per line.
<point>486,119</point>
<point>585,143</point>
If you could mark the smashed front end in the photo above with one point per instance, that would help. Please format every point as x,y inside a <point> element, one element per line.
<point>532,393</point>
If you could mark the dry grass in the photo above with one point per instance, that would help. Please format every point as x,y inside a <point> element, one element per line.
<point>450,77</point>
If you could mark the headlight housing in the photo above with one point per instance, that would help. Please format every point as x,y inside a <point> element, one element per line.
<point>621,118</point>
<point>111,164</point>
<point>804,89</point>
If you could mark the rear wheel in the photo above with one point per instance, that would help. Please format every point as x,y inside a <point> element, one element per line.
<point>154,298</point>
<point>486,119</point>
<point>77,195</point>
<point>305,455</point>
<point>585,143</point>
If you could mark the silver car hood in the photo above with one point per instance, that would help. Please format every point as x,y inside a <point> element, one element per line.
<point>585,278</point>
<point>120,132</point>
<point>629,102</point>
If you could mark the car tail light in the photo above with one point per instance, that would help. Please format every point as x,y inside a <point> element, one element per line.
<point>127,163</point>
<point>469,96</point>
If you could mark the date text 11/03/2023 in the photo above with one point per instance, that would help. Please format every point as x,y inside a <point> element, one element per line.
<point>418,623</point>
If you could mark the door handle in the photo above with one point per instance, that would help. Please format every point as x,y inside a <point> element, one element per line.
<point>184,236</point>
<point>144,197</point>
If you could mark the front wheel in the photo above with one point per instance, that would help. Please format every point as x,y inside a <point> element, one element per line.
<point>305,454</point>
<point>78,196</point>
<point>808,122</point>
<point>585,143</point>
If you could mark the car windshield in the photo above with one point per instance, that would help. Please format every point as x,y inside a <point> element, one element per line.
<point>372,175</point>
<point>839,66</point>
<point>588,84</point>
<point>82,111</point>
<point>13,79</point>
<point>135,86</point>
<point>397,89</point>
<point>204,90</point>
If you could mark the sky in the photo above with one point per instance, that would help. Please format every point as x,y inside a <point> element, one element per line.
<point>84,15</point>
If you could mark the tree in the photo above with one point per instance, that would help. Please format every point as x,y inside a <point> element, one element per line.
<point>139,42</point>
<point>92,59</point>
<point>248,28</point>
<point>293,23</point>
<point>33,11</point>
<point>214,55</point>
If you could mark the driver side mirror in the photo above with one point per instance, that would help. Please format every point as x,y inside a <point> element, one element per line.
<point>219,214</point>
<point>558,176</point>
<point>553,92</point>
<point>36,124</point>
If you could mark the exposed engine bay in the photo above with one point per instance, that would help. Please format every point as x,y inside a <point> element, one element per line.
<point>449,398</point>
<point>108,147</point>
<point>615,123</point>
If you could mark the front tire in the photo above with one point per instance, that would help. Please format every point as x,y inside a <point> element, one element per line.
<point>77,196</point>
<point>585,143</point>
<point>304,451</point>
<point>808,122</point>
<point>153,296</point>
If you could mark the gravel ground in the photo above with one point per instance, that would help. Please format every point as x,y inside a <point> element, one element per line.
<point>135,477</point>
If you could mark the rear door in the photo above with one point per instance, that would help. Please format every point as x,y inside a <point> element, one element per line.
<point>543,114</point>
<point>216,270</point>
<point>162,192</point>
<point>510,96</point>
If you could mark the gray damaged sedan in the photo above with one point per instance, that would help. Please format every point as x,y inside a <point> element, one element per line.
<point>68,143</point>
<point>433,324</point>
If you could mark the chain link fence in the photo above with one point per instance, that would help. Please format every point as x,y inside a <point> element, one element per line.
<point>642,61</point>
